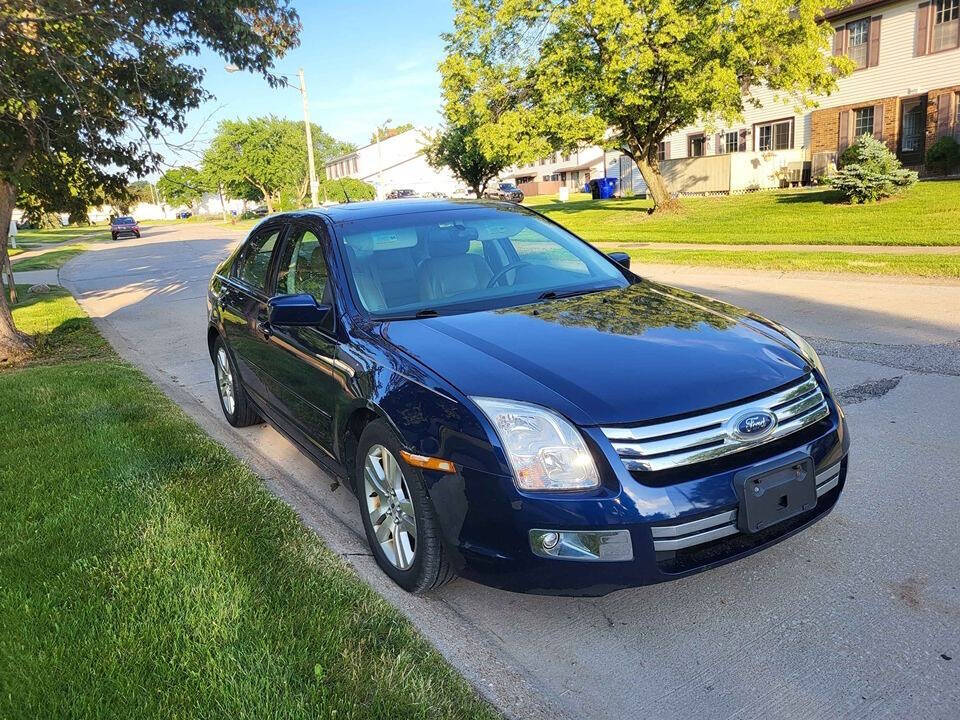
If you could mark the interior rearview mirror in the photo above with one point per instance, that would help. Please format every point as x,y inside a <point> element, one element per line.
<point>620,258</point>
<point>296,310</point>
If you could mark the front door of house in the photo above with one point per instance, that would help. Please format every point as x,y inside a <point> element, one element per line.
<point>912,116</point>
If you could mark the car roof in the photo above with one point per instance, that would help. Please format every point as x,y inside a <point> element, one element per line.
<point>346,212</point>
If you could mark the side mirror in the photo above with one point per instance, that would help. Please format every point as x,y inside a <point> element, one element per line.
<point>620,258</point>
<point>296,310</point>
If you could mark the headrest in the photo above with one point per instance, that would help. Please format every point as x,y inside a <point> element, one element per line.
<point>316,258</point>
<point>449,240</point>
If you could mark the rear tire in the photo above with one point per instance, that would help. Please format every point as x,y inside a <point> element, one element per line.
<point>398,516</point>
<point>234,401</point>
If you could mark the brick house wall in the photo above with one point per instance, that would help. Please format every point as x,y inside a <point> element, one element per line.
<point>825,130</point>
<point>933,113</point>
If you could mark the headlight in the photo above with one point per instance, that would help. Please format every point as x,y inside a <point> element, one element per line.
<point>806,349</point>
<point>545,451</point>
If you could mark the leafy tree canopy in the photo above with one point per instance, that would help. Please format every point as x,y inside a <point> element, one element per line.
<point>99,82</point>
<point>141,191</point>
<point>346,189</point>
<point>627,73</point>
<point>389,132</point>
<point>268,154</point>
<point>182,186</point>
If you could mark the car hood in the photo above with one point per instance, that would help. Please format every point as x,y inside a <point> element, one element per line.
<point>627,355</point>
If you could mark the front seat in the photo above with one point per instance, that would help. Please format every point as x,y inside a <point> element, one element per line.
<point>450,270</point>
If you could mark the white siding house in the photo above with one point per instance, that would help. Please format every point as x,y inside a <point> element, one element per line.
<point>394,163</point>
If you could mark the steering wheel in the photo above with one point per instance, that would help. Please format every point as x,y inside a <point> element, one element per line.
<point>504,270</point>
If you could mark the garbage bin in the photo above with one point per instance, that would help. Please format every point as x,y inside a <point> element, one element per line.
<point>608,187</point>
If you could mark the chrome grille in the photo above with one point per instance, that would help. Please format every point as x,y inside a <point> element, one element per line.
<point>662,446</point>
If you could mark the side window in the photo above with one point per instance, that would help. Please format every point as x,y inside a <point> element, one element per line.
<point>253,261</point>
<point>303,268</point>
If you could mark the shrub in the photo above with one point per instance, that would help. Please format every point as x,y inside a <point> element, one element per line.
<point>943,156</point>
<point>333,190</point>
<point>869,171</point>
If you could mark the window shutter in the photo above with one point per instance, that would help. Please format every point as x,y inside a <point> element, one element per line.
<point>843,138</point>
<point>666,150</point>
<point>873,55</point>
<point>838,38</point>
<point>743,140</point>
<point>718,149</point>
<point>878,121</point>
<point>943,115</point>
<point>923,29</point>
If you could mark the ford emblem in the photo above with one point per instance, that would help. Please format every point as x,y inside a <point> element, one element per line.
<point>753,424</point>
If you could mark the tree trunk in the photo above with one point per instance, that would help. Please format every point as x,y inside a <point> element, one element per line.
<point>656,187</point>
<point>476,190</point>
<point>13,343</point>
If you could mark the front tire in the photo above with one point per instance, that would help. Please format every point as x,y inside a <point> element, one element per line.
<point>398,516</point>
<point>234,401</point>
<point>114,236</point>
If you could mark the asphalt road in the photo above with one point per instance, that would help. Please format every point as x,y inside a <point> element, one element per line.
<point>857,617</point>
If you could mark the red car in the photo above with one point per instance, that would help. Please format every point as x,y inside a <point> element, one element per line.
<point>124,225</point>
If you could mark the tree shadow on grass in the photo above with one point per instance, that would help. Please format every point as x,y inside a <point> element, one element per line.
<point>821,197</point>
<point>574,206</point>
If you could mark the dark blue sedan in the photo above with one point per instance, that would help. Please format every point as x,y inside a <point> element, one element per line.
<point>513,406</point>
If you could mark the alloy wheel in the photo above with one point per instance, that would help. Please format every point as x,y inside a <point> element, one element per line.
<point>225,381</point>
<point>390,507</point>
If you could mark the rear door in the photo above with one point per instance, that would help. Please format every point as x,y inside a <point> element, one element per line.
<point>244,304</point>
<point>303,371</point>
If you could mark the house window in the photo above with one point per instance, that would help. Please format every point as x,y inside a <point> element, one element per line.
<point>858,41</point>
<point>730,142</point>
<point>775,135</point>
<point>946,25</point>
<point>912,131</point>
<point>696,145</point>
<point>863,122</point>
<point>956,115</point>
<point>662,151</point>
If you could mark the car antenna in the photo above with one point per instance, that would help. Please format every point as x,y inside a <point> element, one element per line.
<point>344,190</point>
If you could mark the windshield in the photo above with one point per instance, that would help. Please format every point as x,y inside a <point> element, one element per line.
<point>124,221</point>
<point>467,259</point>
<point>507,186</point>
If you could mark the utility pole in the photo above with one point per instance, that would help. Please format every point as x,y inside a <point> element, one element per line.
<point>314,186</point>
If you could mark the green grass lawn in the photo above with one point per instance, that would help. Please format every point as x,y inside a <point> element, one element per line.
<point>145,573</point>
<point>52,259</point>
<point>926,214</point>
<point>929,265</point>
<point>63,234</point>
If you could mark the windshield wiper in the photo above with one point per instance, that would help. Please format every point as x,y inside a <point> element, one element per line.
<point>426,313</point>
<point>553,294</point>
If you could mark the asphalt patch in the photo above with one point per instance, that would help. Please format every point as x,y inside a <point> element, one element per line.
<point>936,359</point>
<point>868,390</point>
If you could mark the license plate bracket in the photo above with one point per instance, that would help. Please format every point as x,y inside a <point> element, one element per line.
<point>775,491</point>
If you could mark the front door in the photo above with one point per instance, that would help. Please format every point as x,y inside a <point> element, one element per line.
<point>244,304</point>
<point>912,121</point>
<point>303,370</point>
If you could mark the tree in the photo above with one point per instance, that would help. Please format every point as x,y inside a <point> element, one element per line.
<point>388,132</point>
<point>141,191</point>
<point>458,148</point>
<point>182,186</point>
<point>627,73</point>
<point>99,84</point>
<point>269,154</point>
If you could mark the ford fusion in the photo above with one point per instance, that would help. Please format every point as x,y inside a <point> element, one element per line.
<point>512,406</point>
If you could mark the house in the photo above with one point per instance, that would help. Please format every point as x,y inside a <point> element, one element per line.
<point>905,91</point>
<point>394,163</point>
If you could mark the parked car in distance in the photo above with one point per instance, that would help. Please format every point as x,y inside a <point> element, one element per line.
<point>184,214</point>
<point>124,225</point>
<point>401,193</point>
<point>511,405</point>
<point>261,210</point>
<point>505,191</point>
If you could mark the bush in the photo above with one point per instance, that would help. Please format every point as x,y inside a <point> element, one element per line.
<point>943,156</point>
<point>869,171</point>
<point>333,190</point>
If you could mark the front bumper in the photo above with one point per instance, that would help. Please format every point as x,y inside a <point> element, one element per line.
<point>676,529</point>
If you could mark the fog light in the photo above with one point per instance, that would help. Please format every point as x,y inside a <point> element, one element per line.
<point>549,540</point>
<point>588,545</point>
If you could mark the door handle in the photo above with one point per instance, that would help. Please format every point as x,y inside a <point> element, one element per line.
<point>263,327</point>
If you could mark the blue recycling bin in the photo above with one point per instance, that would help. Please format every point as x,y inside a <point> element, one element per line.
<point>608,187</point>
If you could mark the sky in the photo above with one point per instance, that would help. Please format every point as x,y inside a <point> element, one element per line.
<point>365,62</point>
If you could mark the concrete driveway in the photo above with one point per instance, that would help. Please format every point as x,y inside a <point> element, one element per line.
<point>857,617</point>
